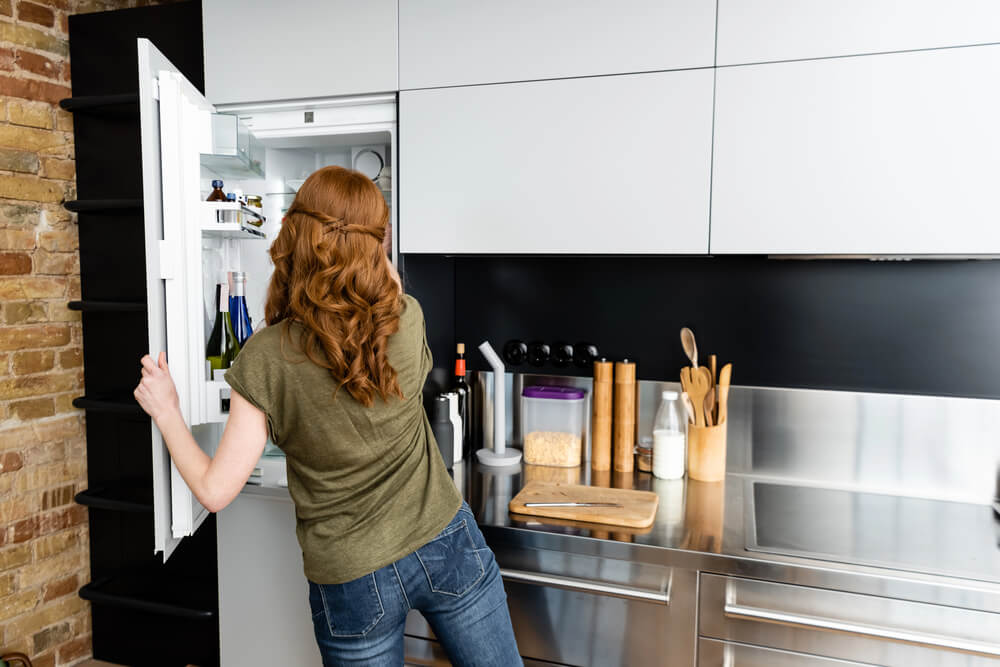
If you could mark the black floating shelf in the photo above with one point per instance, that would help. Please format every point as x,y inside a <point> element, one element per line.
<point>98,103</point>
<point>113,404</point>
<point>103,205</point>
<point>107,306</point>
<point>125,496</point>
<point>149,592</point>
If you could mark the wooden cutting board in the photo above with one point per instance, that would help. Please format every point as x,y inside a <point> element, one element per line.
<point>638,508</point>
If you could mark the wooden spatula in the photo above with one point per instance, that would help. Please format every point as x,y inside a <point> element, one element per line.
<point>725,377</point>
<point>701,382</point>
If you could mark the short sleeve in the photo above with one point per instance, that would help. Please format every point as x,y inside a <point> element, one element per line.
<point>253,376</point>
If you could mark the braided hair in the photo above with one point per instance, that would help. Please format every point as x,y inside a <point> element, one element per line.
<point>332,275</point>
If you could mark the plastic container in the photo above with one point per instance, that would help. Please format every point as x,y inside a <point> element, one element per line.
<point>669,439</point>
<point>552,420</point>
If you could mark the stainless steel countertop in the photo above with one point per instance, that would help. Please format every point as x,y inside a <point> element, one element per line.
<point>705,526</point>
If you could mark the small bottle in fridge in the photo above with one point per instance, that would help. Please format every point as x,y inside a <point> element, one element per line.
<point>217,194</point>
<point>238,308</point>
<point>669,439</point>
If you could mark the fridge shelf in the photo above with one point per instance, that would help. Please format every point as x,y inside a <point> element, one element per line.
<point>123,496</point>
<point>230,220</point>
<point>153,592</point>
<point>234,230</point>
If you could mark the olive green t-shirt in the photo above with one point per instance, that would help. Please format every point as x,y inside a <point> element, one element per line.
<point>369,484</point>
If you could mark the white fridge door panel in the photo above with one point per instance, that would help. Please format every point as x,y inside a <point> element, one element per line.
<point>173,119</point>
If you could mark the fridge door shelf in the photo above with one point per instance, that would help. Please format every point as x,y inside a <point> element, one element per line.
<point>236,152</point>
<point>231,220</point>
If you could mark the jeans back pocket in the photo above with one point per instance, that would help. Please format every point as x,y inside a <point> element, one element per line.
<point>451,561</point>
<point>352,609</point>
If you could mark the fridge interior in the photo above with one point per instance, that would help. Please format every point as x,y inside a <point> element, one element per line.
<point>288,162</point>
<point>285,162</point>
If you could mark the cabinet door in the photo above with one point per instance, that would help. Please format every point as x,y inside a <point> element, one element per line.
<point>262,51</point>
<point>451,42</point>
<point>175,123</point>
<point>263,596</point>
<point>888,154</point>
<point>596,165</point>
<point>770,30</point>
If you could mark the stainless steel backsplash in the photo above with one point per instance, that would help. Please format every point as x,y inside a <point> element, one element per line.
<point>924,446</point>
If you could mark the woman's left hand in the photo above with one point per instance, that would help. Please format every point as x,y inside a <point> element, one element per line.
<point>156,392</point>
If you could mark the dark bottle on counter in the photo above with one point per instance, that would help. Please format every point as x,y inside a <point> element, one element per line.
<point>461,387</point>
<point>222,345</point>
<point>442,429</point>
<point>217,194</point>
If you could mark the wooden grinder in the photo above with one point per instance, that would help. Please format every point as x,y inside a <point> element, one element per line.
<point>624,427</point>
<point>600,452</point>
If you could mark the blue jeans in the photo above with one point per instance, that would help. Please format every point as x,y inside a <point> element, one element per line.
<point>453,580</point>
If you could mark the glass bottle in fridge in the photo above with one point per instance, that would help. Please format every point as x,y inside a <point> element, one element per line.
<point>216,194</point>
<point>222,345</point>
<point>553,425</point>
<point>238,308</point>
<point>669,438</point>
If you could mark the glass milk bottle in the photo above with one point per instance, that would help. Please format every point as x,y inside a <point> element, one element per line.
<point>669,439</point>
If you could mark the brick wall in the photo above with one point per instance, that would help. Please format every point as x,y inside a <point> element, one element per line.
<point>43,534</point>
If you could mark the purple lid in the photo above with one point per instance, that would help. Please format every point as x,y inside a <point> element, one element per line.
<point>558,393</point>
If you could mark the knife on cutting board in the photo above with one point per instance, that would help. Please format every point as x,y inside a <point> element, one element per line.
<point>569,504</point>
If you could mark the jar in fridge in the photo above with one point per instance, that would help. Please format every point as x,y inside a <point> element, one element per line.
<point>552,421</point>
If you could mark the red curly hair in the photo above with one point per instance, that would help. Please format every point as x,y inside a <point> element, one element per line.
<point>332,275</point>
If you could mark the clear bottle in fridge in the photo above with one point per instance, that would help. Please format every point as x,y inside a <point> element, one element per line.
<point>669,438</point>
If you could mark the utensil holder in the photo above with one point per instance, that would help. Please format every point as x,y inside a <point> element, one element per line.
<point>707,452</point>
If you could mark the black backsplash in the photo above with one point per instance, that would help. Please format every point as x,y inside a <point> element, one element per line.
<point>920,327</point>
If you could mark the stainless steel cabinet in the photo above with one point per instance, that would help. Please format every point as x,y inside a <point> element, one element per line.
<point>584,610</point>
<point>842,625</point>
<point>885,154</point>
<point>454,42</point>
<point>769,30</point>
<point>263,51</point>
<point>713,653</point>
<point>614,164</point>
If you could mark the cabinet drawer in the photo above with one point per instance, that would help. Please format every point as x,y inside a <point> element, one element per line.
<point>848,626</point>
<point>712,653</point>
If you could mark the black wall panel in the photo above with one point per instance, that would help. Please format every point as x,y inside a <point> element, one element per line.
<point>924,327</point>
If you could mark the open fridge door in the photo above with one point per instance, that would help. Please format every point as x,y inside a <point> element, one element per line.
<point>175,121</point>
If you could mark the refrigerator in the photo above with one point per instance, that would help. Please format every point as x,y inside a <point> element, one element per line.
<point>266,149</point>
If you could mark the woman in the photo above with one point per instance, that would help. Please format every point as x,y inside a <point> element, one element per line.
<point>336,381</point>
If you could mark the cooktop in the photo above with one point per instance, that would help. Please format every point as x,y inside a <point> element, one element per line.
<point>897,532</point>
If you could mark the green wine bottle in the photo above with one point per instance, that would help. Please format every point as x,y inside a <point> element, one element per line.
<point>222,347</point>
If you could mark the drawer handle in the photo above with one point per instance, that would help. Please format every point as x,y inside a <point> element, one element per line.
<point>741,612</point>
<point>586,586</point>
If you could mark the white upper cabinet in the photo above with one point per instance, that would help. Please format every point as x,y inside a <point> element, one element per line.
<point>617,164</point>
<point>456,42</point>
<point>262,51</point>
<point>771,30</point>
<point>886,154</point>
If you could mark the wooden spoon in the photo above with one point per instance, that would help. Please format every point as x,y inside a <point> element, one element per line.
<point>710,407</point>
<point>725,377</point>
<point>689,345</point>
<point>701,382</point>
<point>688,406</point>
